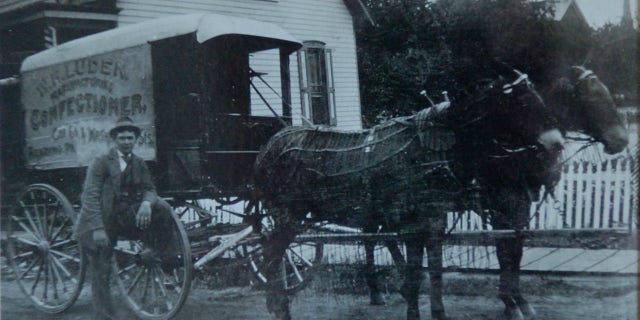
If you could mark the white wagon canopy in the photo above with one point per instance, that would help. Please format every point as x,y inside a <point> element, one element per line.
<point>160,73</point>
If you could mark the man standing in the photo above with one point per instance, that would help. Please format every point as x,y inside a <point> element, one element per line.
<point>119,199</point>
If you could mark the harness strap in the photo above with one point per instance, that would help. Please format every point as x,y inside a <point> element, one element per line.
<point>508,88</point>
<point>586,74</point>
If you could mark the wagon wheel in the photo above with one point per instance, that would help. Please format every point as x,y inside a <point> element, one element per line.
<point>46,261</point>
<point>299,262</point>
<point>154,285</point>
<point>193,215</point>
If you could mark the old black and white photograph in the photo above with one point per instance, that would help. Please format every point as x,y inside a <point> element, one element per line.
<point>319,159</point>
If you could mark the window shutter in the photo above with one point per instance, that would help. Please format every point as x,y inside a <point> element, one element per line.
<point>331,96</point>
<point>305,98</point>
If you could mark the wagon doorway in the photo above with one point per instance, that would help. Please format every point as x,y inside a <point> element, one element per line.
<point>216,105</point>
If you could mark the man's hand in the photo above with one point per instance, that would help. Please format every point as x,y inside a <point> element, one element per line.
<point>143,218</point>
<point>100,239</point>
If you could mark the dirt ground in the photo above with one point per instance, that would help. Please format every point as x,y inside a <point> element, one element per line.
<point>334,297</point>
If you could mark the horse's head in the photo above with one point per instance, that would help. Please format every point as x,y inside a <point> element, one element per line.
<point>517,115</point>
<point>583,103</point>
<point>591,110</point>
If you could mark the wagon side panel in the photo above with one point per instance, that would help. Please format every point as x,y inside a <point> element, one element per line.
<point>70,107</point>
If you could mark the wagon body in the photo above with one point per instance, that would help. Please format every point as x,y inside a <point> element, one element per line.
<point>190,83</point>
<point>185,80</point>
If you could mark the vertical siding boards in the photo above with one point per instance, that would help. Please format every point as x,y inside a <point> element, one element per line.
<point>328,21</point>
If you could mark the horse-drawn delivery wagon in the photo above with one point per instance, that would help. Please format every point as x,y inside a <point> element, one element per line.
<point>188,82</point>
<point>191,83</point>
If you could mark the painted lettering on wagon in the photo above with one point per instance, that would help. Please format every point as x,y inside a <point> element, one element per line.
<point>88,104</point>
<point>105,66</point>
<point>39,153</point>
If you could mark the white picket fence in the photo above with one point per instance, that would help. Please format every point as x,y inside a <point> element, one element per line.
<point>588,196</point>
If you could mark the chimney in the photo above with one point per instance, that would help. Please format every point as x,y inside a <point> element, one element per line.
<point>627,20</point>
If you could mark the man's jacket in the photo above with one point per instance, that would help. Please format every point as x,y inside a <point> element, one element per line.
<point>101,186</point>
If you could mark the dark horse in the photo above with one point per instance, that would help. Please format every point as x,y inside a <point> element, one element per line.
<point>582,103</point>
<point>403,174</point>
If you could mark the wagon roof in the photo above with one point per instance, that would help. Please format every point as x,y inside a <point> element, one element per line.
<point>205,26</point>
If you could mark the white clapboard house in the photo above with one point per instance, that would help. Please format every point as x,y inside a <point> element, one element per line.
<point>324,74</point>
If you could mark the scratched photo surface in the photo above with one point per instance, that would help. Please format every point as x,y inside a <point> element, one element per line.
<point>335,159</point>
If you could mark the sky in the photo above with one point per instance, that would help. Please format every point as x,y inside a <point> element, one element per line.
<point>599,12</point>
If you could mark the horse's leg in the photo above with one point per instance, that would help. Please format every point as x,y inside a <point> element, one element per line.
<point>517,251</point>
<point>375,296</point>
<point>509,260</point>
<point>434,256</point>
<point>273,250</point>
<point>520,207</point>
<point>527,310</point>
<point>413,276</point>
<point>396,254</point>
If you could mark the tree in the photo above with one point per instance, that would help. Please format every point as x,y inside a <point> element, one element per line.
<point>450,44</point>
<point>614,58</point>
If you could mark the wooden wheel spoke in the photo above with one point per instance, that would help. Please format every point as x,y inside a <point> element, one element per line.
<point>61,243</point>
<point>154,291</point>
<point>46,281</point>
<point>64,255</point>
<point>177,279</point>
<point>55,278</point>
<point>37,214</point>
<point>146,286</point>
<point>31,222</point>
<point>31,232</point>
<point>303,259</point>
<point>24,255</point>
<point>135,281</point>
<point>127,269</point>
<point>37,279</point>
<point>163,290</point>
<point>53,219</point>
<point>61,278</point>
<point>293,266</point>
<point>57,233</point>
<point>60,266</point>
<point>25,241</point>
<point>29,268</point>
<point>180,214</point>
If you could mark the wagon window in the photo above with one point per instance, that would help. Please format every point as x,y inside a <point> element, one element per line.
<point>316,83</point>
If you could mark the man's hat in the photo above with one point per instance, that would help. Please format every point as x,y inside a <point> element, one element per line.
<point>124,124</point>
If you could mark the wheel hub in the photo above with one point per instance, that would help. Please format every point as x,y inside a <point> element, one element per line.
<point>43,247</point>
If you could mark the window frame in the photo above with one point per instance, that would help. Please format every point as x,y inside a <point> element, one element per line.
<point>323,69</point>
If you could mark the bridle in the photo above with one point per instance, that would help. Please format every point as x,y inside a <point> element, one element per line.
<point>508,151</point>
<point>585,75</point>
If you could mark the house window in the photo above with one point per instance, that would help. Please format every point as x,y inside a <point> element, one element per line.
<point>316,83</point>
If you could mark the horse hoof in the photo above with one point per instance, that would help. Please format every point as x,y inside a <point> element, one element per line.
<point>528,311</point>
<point>403,292</point>
<point>376,299</point>
<point>413,315</point>
<point>513,313</point>
<point>439,315</point>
